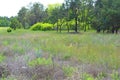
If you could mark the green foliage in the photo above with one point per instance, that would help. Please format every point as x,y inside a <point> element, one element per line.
<point>46,26</point>
<point>2,57</point>
<point>52,7</point>
<point>53,12</point>
<point>87,77</point>
<point>4,22</point>
<point>40,61</point>
<point>106,16</point>
<point>41,27</point>
<point>68,71</point>
<point>9,78</point>
<point>15,23</point>
<point>9,30</point>
<point>29,16</point>
<point>36,27</point>
<point>5,42</point>
<point>98,49</point>
<point>78,14</point>
<point>22,16</point>
<point>18,49</point>
<point>101,75</point>
<point>115,75</point>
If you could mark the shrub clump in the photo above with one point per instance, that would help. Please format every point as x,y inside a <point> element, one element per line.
<point>9,30</point>
<point>40,61</point>
<point>36,27</point>
<point>2,57</point>
<point>42,27</point>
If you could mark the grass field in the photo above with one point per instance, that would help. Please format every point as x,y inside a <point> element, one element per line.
<point>28,55</point>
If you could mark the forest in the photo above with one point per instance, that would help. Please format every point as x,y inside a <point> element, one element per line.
<point>75,40</point>
<point>77,15</point>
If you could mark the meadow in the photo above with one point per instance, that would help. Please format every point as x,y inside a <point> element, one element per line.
<point>50,55</point>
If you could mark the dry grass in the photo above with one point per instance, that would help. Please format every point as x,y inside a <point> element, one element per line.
<point>88,53</point>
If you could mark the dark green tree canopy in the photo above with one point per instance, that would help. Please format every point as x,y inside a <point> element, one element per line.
<point>4,22</point>
<point>15,23</point>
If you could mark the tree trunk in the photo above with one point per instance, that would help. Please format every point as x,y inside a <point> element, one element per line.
<point>76,24</point>
<point>60,28</point>
<point>57,26</point>
<point>67,27</point>
<point>98,30</point>
<point>116,31</point>
<point>113,29</point>
<point>84,27</point>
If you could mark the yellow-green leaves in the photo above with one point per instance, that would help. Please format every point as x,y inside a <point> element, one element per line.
<point>40,61</point>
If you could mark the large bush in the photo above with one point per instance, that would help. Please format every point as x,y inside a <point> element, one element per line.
<point>36,27</point>
<point>41,27</point>
<point>47,26</point>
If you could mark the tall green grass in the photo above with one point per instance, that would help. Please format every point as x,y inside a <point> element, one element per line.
<point>90,48</point>
<point>93,48</point>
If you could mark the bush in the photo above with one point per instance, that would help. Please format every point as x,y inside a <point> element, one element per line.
<point>46,26</point>
<point>40,61</point>
<point>2,57</point>
<point>41,27</point>
<point>68,70</point>
<point>9,30</point>
<point>36,27</point>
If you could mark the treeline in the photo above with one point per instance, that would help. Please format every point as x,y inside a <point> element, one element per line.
<point>4,22</point>
<point>101,15</point>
